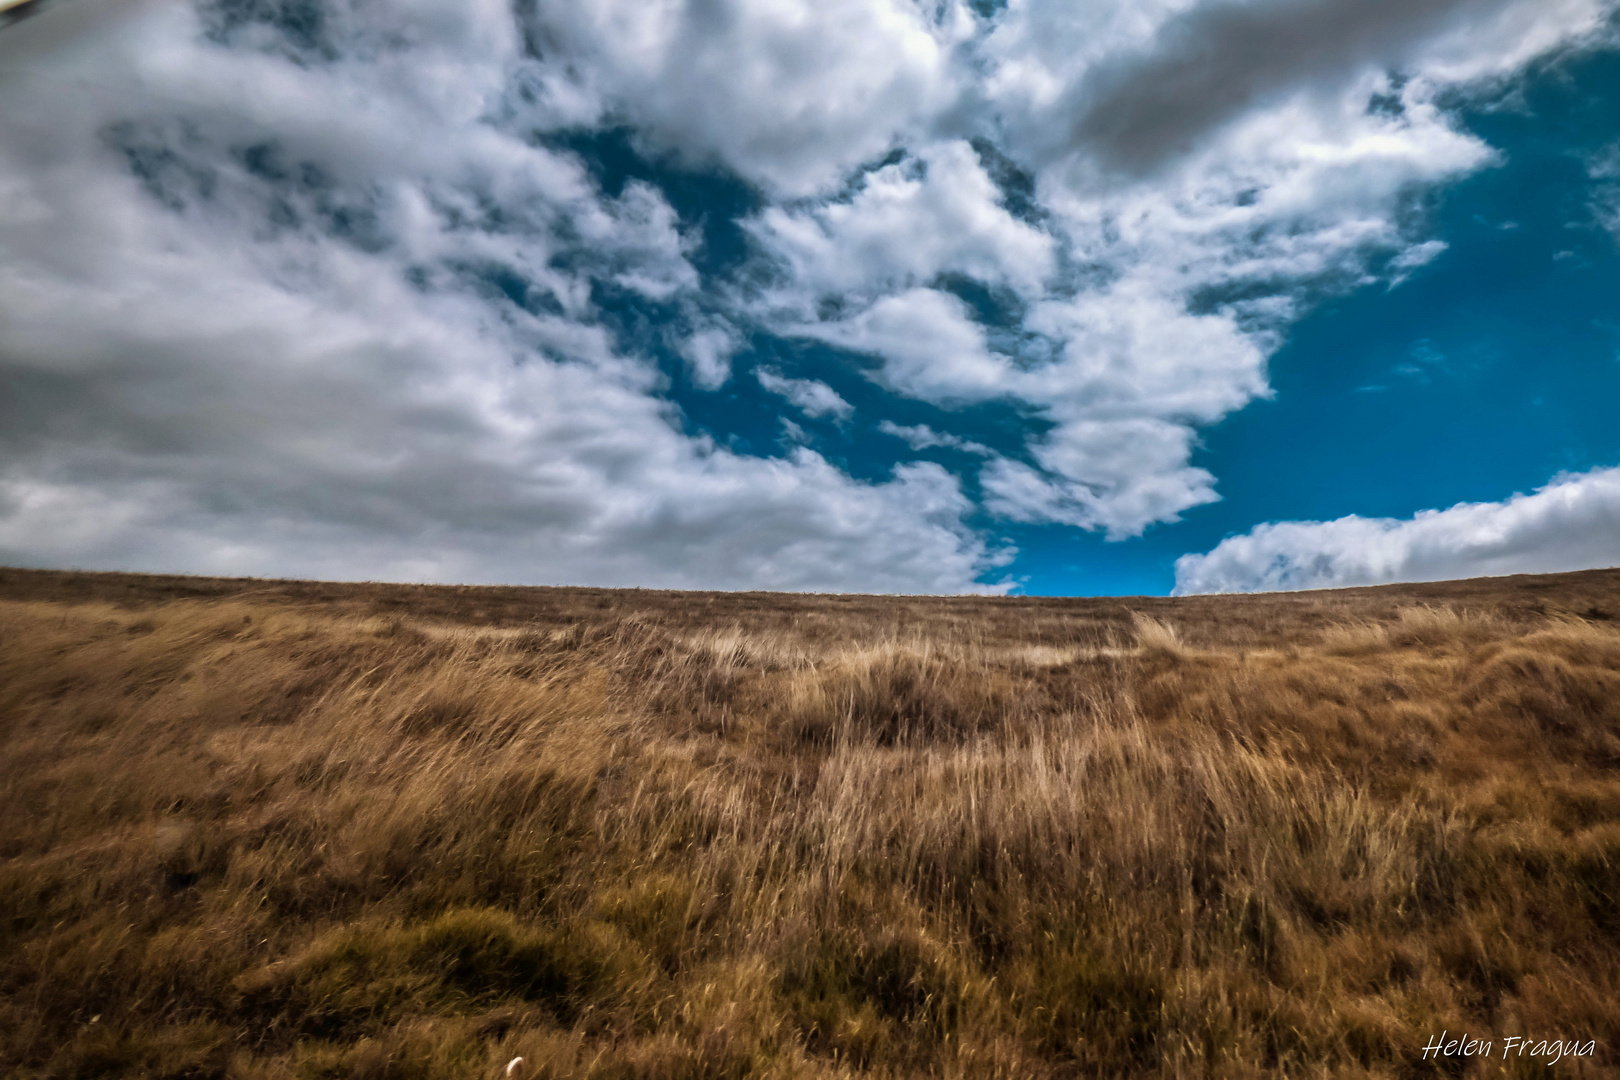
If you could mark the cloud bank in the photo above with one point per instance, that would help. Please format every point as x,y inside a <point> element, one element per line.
<point>1571,524</point>
<point>293,297</point>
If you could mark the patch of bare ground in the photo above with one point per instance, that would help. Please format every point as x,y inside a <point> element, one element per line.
<point>298,830</point>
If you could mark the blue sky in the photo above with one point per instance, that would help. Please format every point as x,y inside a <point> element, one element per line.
<point>1486,372</point>
<point>1106,298</point>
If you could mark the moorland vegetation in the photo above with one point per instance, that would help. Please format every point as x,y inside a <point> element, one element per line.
<point>263,829</point>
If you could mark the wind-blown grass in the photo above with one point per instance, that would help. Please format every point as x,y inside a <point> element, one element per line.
<point>295,830</point>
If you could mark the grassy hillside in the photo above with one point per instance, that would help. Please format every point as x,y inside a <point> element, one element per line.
<point>269,829</point>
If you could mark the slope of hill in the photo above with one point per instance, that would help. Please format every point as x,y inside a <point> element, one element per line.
<point>284,829</point>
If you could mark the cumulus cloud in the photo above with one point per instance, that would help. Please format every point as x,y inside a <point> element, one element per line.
<point>1213,62</point>
<point>814,399</point>
<point>1132,376</point>
<point>1115,475</point>
<point>929,347</point>
<point>708,351</point>
<point>791,94</point>
<point>923,437</point>
<point>249,332</point>
<point>904,225</point>
<point>1571,524</point>
<point>1140,83</point>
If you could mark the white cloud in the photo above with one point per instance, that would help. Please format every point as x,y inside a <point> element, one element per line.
<point>1142,84</point>
<point>1116,475</point>
<point>1419,255</point>
<point>708,352</point>
<point>251,331</point>
<point>1571,524</point>
<point>1510,36</point>
<point>1605,163</point>
<point>791,94</point>
<point>1134,373</point>
<point>903,226</point>
<point>1607,213</point>
<point>814,399</point>
<point>923,437</point>
<point>1604,167</point>
<point>929,345</point>
<point>793,433</point>
<point>1130,352</point>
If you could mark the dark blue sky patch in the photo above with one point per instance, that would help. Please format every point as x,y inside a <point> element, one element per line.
<point>710,201</point>
<point>497,280</point>
<point>1016,184</point>
<point>988,304</point>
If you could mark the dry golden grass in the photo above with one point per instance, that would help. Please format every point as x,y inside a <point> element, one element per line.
<point>280,829</point>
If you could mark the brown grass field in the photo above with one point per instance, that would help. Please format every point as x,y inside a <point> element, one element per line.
<point>266,829</point>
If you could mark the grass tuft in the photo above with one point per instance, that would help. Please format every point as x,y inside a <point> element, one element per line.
<point>272,831</point>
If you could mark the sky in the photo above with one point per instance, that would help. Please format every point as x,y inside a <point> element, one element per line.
<point>1106,297</point>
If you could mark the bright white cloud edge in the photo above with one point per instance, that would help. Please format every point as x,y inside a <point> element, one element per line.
<point>1571,524</point>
